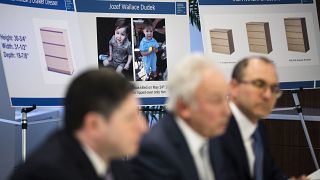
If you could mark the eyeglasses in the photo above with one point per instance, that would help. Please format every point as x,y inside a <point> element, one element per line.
<point>263,86</point>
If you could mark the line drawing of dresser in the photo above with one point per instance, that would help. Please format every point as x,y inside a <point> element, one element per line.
<point>57,50</point>
<point>222,41</point>
<point>259,37</point>
<point>296,33</point>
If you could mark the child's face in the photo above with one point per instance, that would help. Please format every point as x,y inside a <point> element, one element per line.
<point>120,35</point>
<point>148,32</point>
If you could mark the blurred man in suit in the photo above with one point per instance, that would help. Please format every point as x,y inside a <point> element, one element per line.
<point>177,147</point>
<point>254,90</point>
<point>102,124</point>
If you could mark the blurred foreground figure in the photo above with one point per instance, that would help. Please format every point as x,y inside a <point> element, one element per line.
<point>102,124</point>
<point>177,148</point>
<point>254,90</point>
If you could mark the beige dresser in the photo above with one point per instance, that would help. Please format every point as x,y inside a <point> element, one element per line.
<point>296,32</point>
<point>259,38</point>
<point>57,50</point>
<point>222,41</point>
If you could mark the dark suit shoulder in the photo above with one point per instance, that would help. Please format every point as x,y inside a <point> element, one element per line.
<point>121,170</point>
<point>234,152</point>
<point>59,157</point>
<point>157,158</point>
<point>159,141</point>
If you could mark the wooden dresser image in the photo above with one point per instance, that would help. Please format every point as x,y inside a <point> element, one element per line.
<point>222,41</point>
<point>259,38</point>
<point>56,50</point>
<point>296,32</point>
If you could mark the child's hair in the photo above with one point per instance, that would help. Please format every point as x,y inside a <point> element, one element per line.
<point>122,23</point>
<point>147,23</point>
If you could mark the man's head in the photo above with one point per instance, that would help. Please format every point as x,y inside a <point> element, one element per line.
<point>102,113</point>
<point>121,30</point>
<point>198,94</point>
<point>254,87</point>
<point>148,29</point>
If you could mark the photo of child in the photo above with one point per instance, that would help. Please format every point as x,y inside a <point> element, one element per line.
<point>150,52</point>
<point>114,45</point>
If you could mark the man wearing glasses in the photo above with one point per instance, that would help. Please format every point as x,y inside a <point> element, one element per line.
<point>254,91</point>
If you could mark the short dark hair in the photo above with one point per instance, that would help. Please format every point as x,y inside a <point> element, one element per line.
<point>122,23</point>
<point>240,67</point>
<point>147,23</point>
<point>100,91</point>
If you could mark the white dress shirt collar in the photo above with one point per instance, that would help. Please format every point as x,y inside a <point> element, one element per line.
<point>196,143</point>
<point>246,126</point>
<point>99,165</point>
<point>194,140</point>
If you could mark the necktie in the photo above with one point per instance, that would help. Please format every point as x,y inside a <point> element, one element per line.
<point>258,152</point>
<point>207,172</point>
<point>109,175</point>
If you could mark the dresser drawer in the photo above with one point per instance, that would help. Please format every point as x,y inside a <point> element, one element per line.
<point>59,65</point>
<point>220,35</point>
<point>55,50</point>
<point>292,22</point>
<point>293,29</point>
<point>255,27</point>
<point>259,49</point>
<point>295,41</point>
<point>221,42</point>
<point>222,49</point>
<point>260,35</point>
<point>294,35</point>
<point>298,47</point>
<point>255,41</point>
<point>52,35</point>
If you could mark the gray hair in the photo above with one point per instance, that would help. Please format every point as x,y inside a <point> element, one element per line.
<point>185,78</point>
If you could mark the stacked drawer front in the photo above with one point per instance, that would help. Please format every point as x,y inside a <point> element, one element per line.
<point>56,49</point>
<point>259,38</point>
<point>222,41</point>
<point>297,36</point>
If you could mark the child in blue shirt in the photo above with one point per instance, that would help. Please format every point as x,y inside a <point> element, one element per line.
<point>120,51</point>
<point>148,48</point>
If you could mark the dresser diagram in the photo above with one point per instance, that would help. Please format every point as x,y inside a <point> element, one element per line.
<point>222,41</point>
<point>296,33</point>
<point>57,50</point>
<point>259,38</point>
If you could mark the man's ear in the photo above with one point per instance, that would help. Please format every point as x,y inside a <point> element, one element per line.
<point>233,88</point>
<point>183,109</point>
<point>91,121</point>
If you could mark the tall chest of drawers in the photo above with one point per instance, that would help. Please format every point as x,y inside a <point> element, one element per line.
<point>222,41</point>
<point>296,33</point>
<point>57,50</point>
<point>259,38</point>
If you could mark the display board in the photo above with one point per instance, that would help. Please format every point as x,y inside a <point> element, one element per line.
<point>286,31</point>
<point>46,43</point>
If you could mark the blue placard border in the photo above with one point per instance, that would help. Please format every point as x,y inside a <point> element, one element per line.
<point>22,102</point>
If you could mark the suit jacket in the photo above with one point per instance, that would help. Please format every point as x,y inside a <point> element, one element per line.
<point>61,157</point>
<point>236,157</point>
<point>164,155</point>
